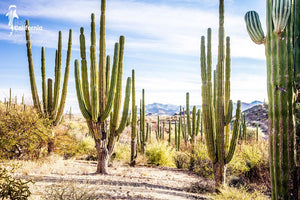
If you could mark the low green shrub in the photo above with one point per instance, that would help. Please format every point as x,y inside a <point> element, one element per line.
<point>12,187</point>
<point>181,160</point>
<point>248,156</point>
<point>230,193</point>
<point>160,154</point>
<point>23,133</point>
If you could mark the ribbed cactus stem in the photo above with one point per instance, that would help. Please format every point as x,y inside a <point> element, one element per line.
<point>281,49</point>
<point>133,123</point>
<point>44,85</point>
<point>50,95</point>
<point>34,93</point>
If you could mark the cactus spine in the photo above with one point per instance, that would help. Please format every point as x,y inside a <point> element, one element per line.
<point>95,102</point>
<point>133,124</point>
<point>282,54</point>
<point>217,117</point>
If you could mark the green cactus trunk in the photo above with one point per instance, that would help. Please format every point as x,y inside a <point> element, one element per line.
<point>281,49</point>
<point>101,99</point>
<point>142,124</point>
<point>133,124</point>
<point>217,117</point>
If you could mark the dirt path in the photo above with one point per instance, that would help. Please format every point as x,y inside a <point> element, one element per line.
<point>122,183</point>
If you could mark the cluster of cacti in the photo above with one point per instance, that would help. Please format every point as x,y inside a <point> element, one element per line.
<point>101,98</point>
<point>193,126</point>
<point>282,45</point>
<point>217,116</point>
<point>53,103</point>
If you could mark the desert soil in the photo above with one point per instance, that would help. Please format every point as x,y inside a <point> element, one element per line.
<point>123,182</point>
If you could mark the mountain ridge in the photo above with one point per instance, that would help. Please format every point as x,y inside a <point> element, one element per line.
<point>171,109</point>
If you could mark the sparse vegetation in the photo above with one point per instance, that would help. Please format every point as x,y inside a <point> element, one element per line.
<point>12,187</point>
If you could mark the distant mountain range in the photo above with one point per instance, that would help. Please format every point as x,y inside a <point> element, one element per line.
<point>169,109</point>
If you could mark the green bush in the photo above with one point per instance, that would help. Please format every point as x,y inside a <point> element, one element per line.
<point>122,153</point>
<point>203,165</point>
<point>160,154</point>
<point>11,187</point>
<point>181,160</point>
<point>229,193</point>
<point>23,133</point>
<point>248,156</point>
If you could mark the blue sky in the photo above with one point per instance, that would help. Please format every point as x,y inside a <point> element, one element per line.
<point>162,44</point>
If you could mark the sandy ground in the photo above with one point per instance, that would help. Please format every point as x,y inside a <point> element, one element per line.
<point>123,182</point>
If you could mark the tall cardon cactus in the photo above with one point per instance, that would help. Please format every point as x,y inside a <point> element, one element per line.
<point>53,103</point>
<point>101,98</point>
<point>282,45</point>
<point>217,117</point>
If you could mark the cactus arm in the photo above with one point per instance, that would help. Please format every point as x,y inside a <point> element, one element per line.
<point>107,74</point>
<point>281,10</point>
<point>84,74</point>
<point>126,107</point>
<point>66,80</point>
<point>44,85</point>
<point>34,93</point>
<point>207,107</point>
<point>253,26</point>
<point>234,134</point>
<point>94,78</point>
<point>50,95</point>
<point>57,75</point>
<point>79,92</point>
<point>227,74</point>
<point>228,116</point>
<point>198,123</point>
<point>188,114</point>
<point>194,125</point>
<point>112,89</point>
<point>118,95</point>
<point>102,74</point>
